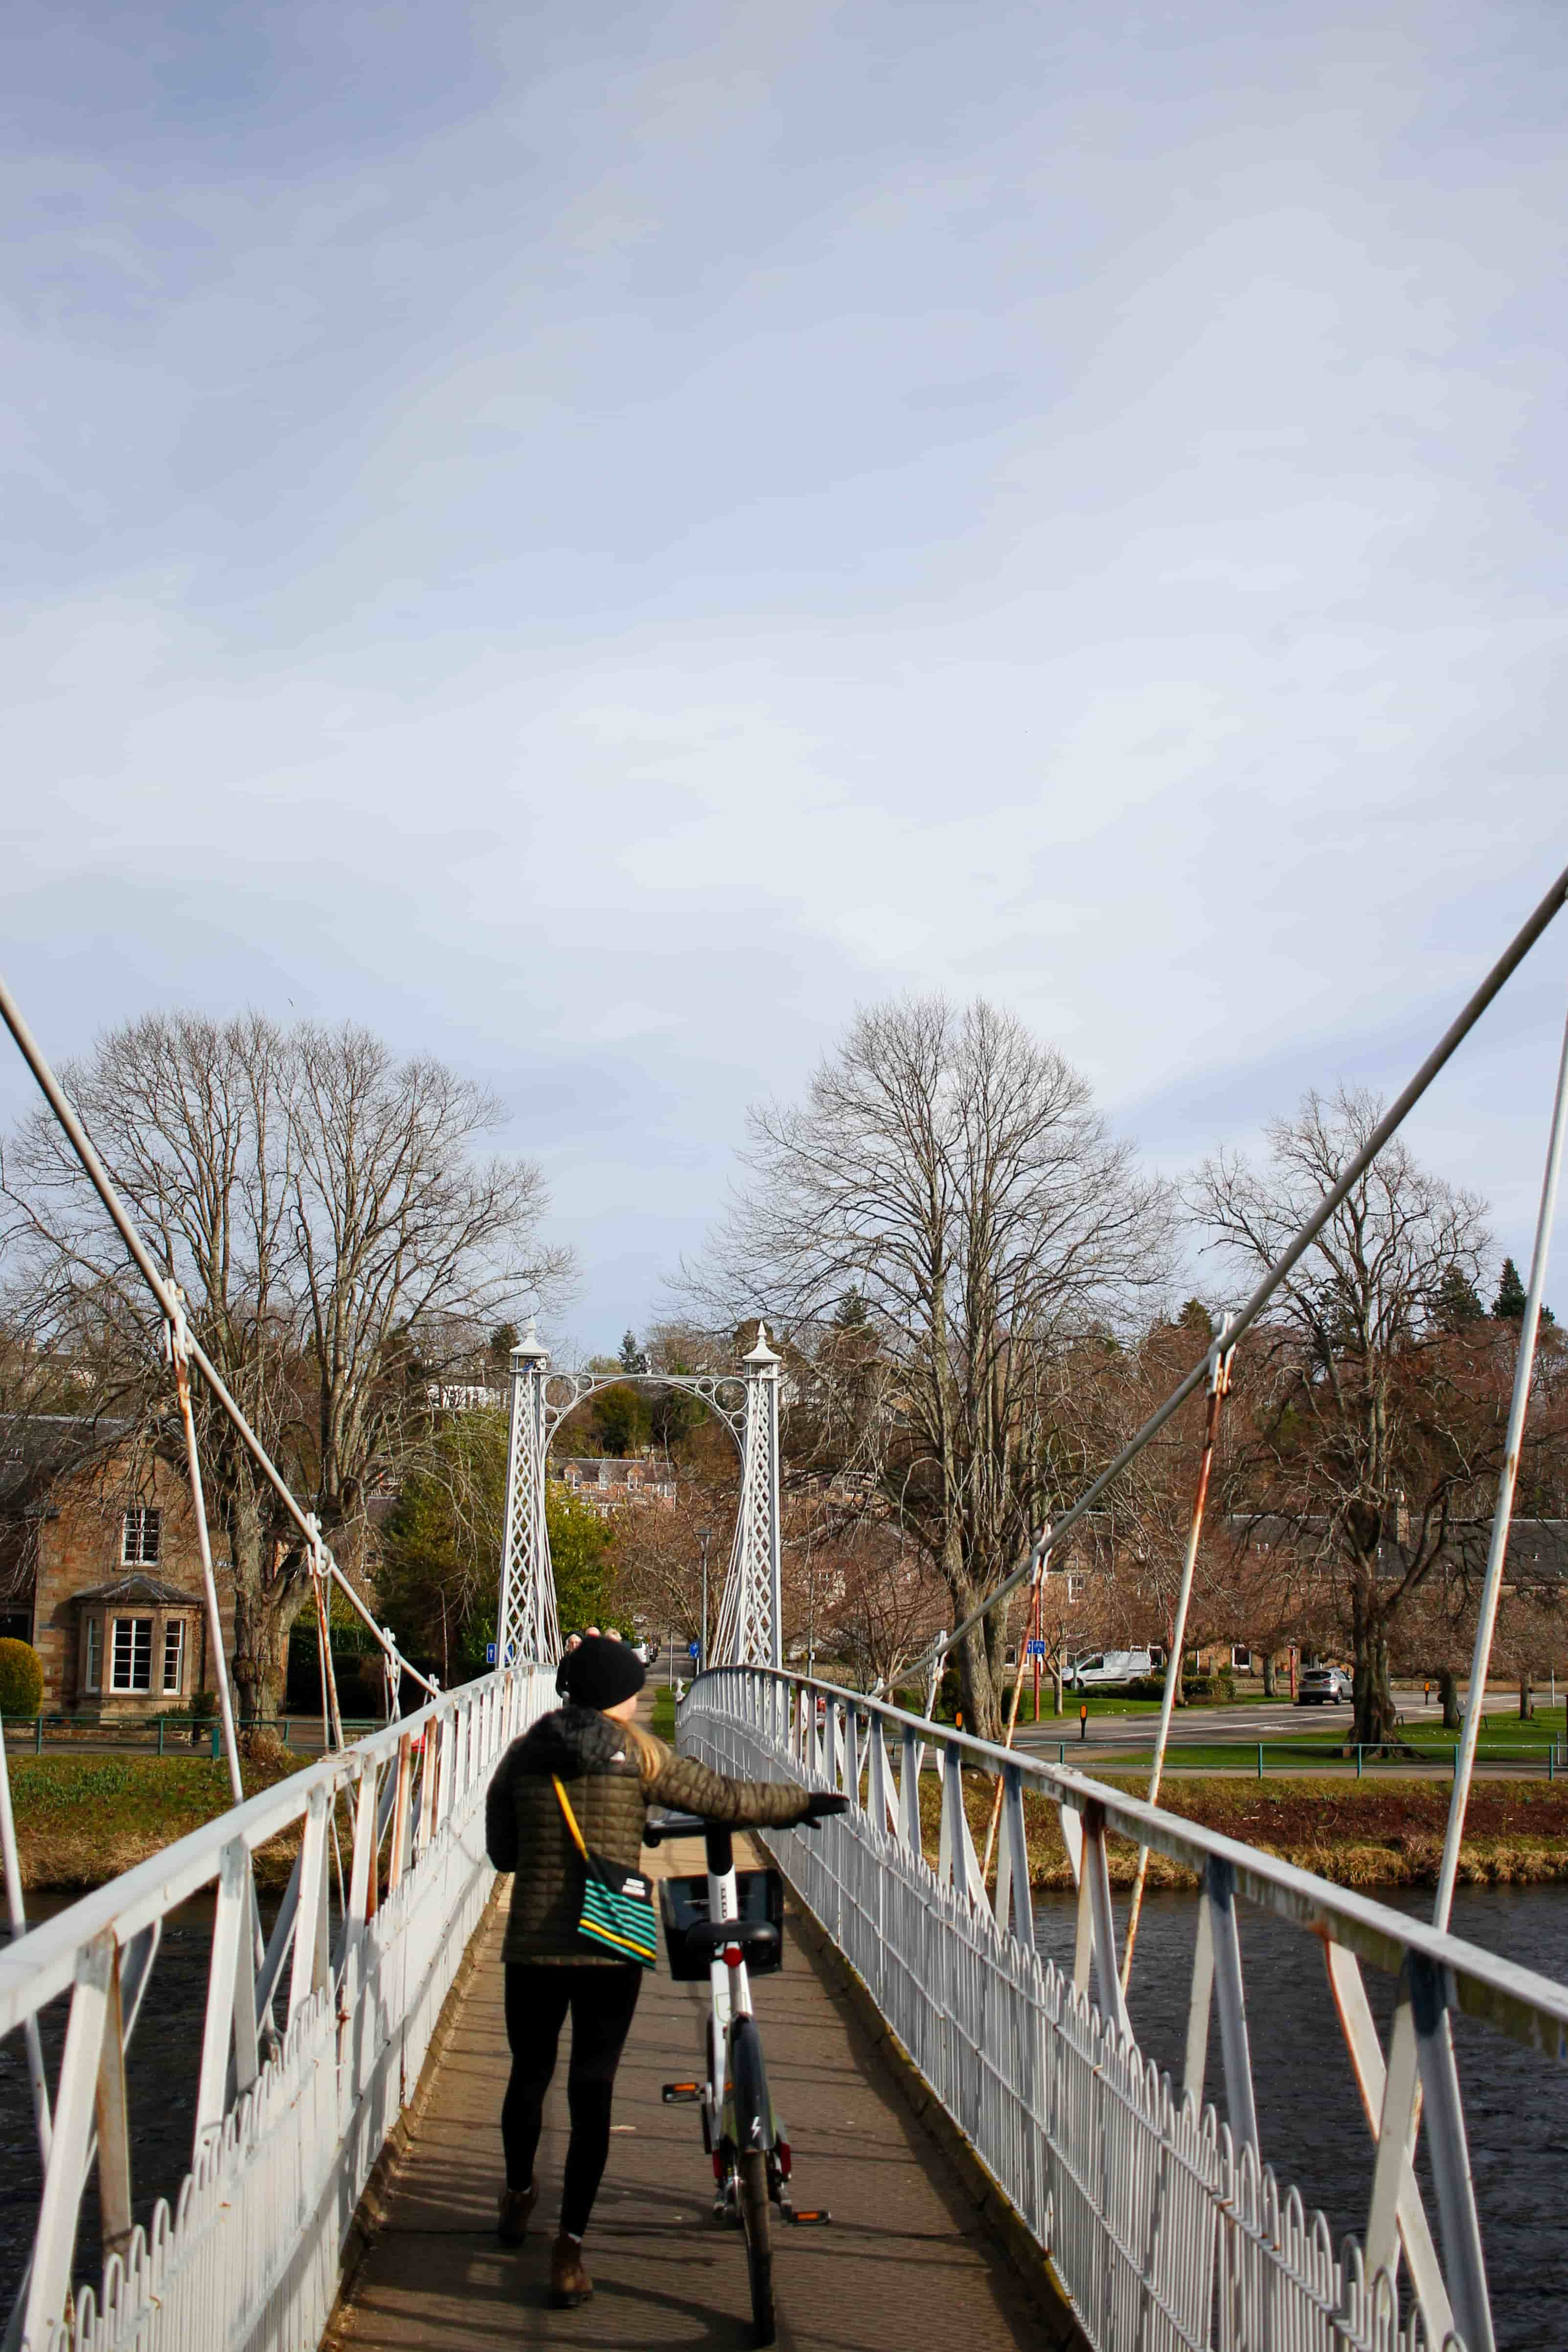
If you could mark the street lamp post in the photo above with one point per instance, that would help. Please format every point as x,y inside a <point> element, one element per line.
<point>704,1537</point>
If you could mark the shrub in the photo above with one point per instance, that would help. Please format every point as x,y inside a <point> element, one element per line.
<point>264,1746</point>
<point>21,1680</point>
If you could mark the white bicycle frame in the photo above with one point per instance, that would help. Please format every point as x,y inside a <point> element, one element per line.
<point>730,1996</point>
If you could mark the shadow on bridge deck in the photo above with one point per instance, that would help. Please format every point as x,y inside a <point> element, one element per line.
<point>908,2254</point>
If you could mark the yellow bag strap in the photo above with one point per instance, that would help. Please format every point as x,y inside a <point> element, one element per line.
<point>571,1817</point>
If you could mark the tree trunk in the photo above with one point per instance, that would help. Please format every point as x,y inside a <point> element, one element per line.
<point>1448,1691</point>
<point>1374,1697</point>
<point>1268,1690</point>
<point>982,1703</point>
<point>265,1607</point>
<point>1524,1694</point>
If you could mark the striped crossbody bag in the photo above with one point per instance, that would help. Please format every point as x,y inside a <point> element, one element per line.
<point>618,1905</point>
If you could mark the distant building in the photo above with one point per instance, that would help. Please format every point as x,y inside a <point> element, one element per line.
<point>618,1483</point>
<point>100,1568</point>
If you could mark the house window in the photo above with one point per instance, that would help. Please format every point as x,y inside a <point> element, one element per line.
<point>95,1653</point>
<point>1241,1657</point>
<point>175,1654</point>
<point>130,1654</point>
<point>140,1539</point>
<point>1077,1578</point>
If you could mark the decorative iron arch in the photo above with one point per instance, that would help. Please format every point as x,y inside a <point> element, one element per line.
<point>581,1386</point>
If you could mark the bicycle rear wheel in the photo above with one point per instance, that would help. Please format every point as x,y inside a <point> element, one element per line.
<point>756,2220</point>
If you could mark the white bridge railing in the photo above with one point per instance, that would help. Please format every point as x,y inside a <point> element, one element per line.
<point>311,2045</point>
<point>1164,2227</point>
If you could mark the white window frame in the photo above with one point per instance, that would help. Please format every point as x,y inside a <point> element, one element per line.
<point>130,1687</point>
<point>1240,1659</point>
<point>141,1536</point>
<point>1077,1579</point>
<point>175,1636</point>
<point>92,1656</point>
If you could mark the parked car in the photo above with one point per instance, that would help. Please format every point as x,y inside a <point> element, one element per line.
<point>1102,1669</point>
<point>1323,1687</point>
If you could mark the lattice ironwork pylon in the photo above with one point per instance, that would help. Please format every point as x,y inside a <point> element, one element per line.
<point>751,1613</point>
<point>526,1624</point>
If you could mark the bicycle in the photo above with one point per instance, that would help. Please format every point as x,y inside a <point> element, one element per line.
<point>742,2131</point>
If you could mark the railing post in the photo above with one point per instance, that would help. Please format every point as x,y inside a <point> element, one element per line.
<point>1233,2039</point>
<point>114,2121</point>
<point>1366,2064</point>
<point>55,2233</point>
<point>1447,2146</point>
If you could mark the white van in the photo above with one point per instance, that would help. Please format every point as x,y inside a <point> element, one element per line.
<point>1102,1668</point>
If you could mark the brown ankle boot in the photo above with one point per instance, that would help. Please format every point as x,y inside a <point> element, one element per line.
<point>569,2282</point>
<point>514,2207</point>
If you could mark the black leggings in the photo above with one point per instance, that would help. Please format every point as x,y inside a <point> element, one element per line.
<point>601,1997</point>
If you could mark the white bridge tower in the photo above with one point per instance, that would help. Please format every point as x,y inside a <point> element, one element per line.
<point>750,1624</point>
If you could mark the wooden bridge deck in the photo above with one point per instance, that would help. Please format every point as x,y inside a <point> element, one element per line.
<point>909,2258</point>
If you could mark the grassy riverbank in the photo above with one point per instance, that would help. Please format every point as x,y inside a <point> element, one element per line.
<point>1387,1832</point>
<point>81,1821</point>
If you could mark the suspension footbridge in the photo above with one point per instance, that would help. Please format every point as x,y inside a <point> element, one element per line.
<point>344,2030</point>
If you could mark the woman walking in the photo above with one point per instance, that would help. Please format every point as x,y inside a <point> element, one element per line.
<point>590,1761</point>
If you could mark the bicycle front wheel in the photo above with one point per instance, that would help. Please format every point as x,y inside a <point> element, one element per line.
<point>756,2220</point>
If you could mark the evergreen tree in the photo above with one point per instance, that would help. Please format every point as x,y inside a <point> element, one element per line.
<point>632,1358</point>
<point>1456,1304</point>
<point>1509,1303</point>
<point>1197,1321</point>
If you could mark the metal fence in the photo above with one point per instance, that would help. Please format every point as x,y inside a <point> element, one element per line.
<point>312,2041</point>
<point>1164,2224</point>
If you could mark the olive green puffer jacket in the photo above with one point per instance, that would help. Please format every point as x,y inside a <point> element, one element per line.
<point>610,1793</point>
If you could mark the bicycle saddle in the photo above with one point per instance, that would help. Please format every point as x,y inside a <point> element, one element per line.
<point>753,1936</point>
<point>664,1825</point>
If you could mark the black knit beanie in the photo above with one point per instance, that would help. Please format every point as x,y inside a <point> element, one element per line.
<point>601,1671</point>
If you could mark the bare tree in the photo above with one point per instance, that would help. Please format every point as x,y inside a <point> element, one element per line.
<point>661,1555</point>
<point>1368,1416</point>
<point>317,1203</point>
<point>954,1176</point>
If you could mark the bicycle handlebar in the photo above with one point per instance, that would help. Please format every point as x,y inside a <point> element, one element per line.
<point>660,1826</point>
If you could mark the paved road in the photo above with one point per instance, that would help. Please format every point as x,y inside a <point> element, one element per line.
<point>1211,1726</point>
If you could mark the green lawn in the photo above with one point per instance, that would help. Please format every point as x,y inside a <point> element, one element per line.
<point>1113,1703</point>
<point>662,1712</point>
<point>1526,1744</point>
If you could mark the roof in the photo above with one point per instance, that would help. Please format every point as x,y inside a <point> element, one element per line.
<point>36,1447</point>
<point>140,1586</point>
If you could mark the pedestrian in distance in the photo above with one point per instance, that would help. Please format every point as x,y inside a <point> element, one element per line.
<point>588,1758</point>
<point>573,1642</point>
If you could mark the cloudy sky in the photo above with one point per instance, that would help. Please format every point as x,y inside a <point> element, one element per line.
<point>596,538</point>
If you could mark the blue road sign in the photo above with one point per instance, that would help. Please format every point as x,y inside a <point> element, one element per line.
<point>1036,1649</point>
<point>489,1653</point>
<point>694,1649</point>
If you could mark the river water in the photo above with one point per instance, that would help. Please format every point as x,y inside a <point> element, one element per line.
<point>1310,2118</point>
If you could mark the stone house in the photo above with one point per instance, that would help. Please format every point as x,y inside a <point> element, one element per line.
<point>616,1483</point>
<point>101,1569</point>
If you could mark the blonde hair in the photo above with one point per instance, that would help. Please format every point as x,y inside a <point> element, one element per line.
<point>650,1753</point>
